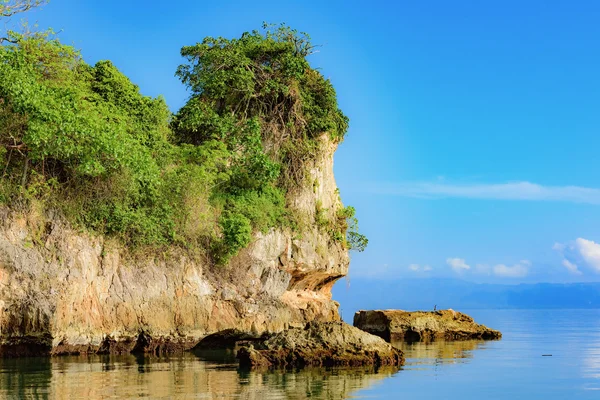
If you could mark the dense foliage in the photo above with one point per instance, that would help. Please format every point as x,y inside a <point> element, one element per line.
<point>264,78</point>
<point>84,139</point>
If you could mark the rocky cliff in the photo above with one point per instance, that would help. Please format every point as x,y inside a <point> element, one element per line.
<point>68,291</point>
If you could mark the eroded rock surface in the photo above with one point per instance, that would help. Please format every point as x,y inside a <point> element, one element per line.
<point>321,344</point>
<point>411,326</point>
<point>67,292</point>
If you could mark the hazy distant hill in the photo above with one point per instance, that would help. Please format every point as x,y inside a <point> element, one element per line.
<point>423,294</point>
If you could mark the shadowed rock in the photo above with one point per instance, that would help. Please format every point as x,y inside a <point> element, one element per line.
<point>321,344</point>
<point>412,326</point>
<point>227,338</point>
<point>25,346</point>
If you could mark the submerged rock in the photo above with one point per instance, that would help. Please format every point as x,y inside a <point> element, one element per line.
<point>412,326</point>
<point>321,344</point>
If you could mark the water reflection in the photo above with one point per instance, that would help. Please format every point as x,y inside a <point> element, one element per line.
<point>439,352</point>
<point>203,375</point>
<point>187,376</point>
<point>591,360</point>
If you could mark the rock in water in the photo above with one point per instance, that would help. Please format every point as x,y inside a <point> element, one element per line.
<point>321,344</point>
<point>411,326</point>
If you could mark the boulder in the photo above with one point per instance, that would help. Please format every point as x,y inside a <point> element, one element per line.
<point>412,326</point>
<point>321,344</point>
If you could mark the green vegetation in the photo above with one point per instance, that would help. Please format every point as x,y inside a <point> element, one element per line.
<point>84,140</point>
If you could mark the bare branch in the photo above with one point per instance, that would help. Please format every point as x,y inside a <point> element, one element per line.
<point>13,7</point>
<point>6,39</point>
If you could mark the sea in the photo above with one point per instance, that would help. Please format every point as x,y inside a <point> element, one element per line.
<point>544,354</point>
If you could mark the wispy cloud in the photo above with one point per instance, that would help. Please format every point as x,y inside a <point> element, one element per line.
<point>572,268</point>
<point>458,264</point>
<point>519,270</point>
<point>419,268</point>
<point>499,191</point>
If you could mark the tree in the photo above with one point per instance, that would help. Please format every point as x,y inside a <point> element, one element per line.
<point>82,138</point>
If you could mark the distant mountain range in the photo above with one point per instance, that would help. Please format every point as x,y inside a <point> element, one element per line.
<point>424,294</point>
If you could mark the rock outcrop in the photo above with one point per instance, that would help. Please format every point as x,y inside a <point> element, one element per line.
<point>66,291</point>
<point>321,344</point>
<point>411,326</point>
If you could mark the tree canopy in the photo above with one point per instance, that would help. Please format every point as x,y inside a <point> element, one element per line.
<point>83,139</point>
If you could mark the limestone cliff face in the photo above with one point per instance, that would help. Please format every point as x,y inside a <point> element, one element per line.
<point>66,291</point>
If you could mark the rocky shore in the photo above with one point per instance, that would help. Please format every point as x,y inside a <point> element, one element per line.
<point>321,344</point>
<point>411,326</point>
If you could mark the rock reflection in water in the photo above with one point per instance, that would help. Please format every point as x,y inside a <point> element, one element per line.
<point>439,352</point>
<point>187,376</point>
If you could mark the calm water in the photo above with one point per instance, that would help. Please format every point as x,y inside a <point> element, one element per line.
<point>512,368</point>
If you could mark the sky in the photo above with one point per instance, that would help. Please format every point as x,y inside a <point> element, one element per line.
<point>473,144</point>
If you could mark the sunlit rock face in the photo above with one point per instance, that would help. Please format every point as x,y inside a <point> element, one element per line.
<point>65,291</point>
<point>321,344</point>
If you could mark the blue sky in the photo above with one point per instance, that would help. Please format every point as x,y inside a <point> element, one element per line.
<point>473,147</point>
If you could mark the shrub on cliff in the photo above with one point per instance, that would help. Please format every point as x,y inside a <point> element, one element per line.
<point>262,77</point>
<point>84,139</point>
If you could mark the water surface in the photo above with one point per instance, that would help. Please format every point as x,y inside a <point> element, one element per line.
<point>512,368</point>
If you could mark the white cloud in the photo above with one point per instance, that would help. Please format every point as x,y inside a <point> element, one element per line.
<point>458,264</point>
<point>419,268</point>
<point>499,191</point>
<point>518,270</point>
<point>579,253</point>
<point>590,252</point>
